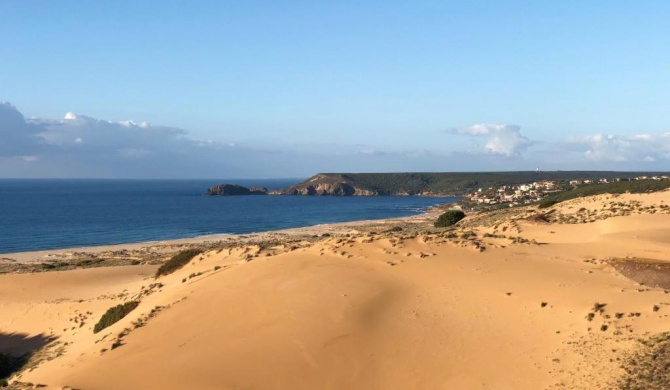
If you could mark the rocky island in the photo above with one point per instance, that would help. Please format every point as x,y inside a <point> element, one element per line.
<point>234,189</point>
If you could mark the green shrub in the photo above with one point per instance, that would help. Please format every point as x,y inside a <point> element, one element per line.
<point>177,261</point>
<point>449,218</point>
<point>394,229</point>
<point>547,203</point>
<point>114,314</point>
<point>4,383</point>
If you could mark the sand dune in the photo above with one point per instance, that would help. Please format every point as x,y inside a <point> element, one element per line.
<point>433,310</point>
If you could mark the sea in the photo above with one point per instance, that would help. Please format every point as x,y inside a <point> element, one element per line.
<point>46,214</point>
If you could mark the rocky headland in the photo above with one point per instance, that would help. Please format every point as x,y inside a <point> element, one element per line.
<point>322,184</point>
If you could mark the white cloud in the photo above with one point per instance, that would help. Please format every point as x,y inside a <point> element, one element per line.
<point>79,145</point>
<point>106,136</point>
<point>503,140</point>
<point>624,148</point>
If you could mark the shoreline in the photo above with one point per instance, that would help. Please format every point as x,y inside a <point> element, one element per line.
<point>169,245</point>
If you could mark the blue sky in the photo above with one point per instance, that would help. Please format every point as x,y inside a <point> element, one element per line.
<point>290,88</point>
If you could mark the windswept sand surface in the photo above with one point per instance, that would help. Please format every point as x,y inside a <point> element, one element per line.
<point>495,304</point>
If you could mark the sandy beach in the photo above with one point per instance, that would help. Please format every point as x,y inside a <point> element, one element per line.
<point>557,298</point>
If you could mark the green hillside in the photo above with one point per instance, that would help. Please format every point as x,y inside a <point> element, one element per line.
<point>449,183</point>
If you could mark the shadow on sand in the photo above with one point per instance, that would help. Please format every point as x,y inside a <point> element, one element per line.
<point>17,348</point>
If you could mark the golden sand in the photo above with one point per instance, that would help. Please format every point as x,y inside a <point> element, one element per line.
<point>507,303</point>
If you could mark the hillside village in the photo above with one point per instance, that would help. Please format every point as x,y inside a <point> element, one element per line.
<point>514,195</point>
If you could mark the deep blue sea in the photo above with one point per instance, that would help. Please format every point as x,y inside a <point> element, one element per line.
<point>54,214</point>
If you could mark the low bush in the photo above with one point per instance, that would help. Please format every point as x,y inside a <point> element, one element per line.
<point>547,203</point>
<point>177,261</point>
<point>114,314</point>
<point>449,218</point>
<point>393,229</point>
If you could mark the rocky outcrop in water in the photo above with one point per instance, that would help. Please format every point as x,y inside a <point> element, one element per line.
<point>234,189</point>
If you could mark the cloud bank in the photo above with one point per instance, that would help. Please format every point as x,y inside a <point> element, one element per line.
<point>83,146</point>
<point>17,136</point>
<point>503,140</point>
<point>624,148</point>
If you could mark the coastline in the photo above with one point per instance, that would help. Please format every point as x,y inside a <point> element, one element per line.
<point>133,249</point>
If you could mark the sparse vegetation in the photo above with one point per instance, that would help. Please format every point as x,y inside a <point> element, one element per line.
<point>179,260</point>
<point>394,229</point>
<point>599,307</point>
<point>621,187</point>
<point>114,314</point>
<point>449,218</point>
<point>538,218</point>
<point>648,368</point>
